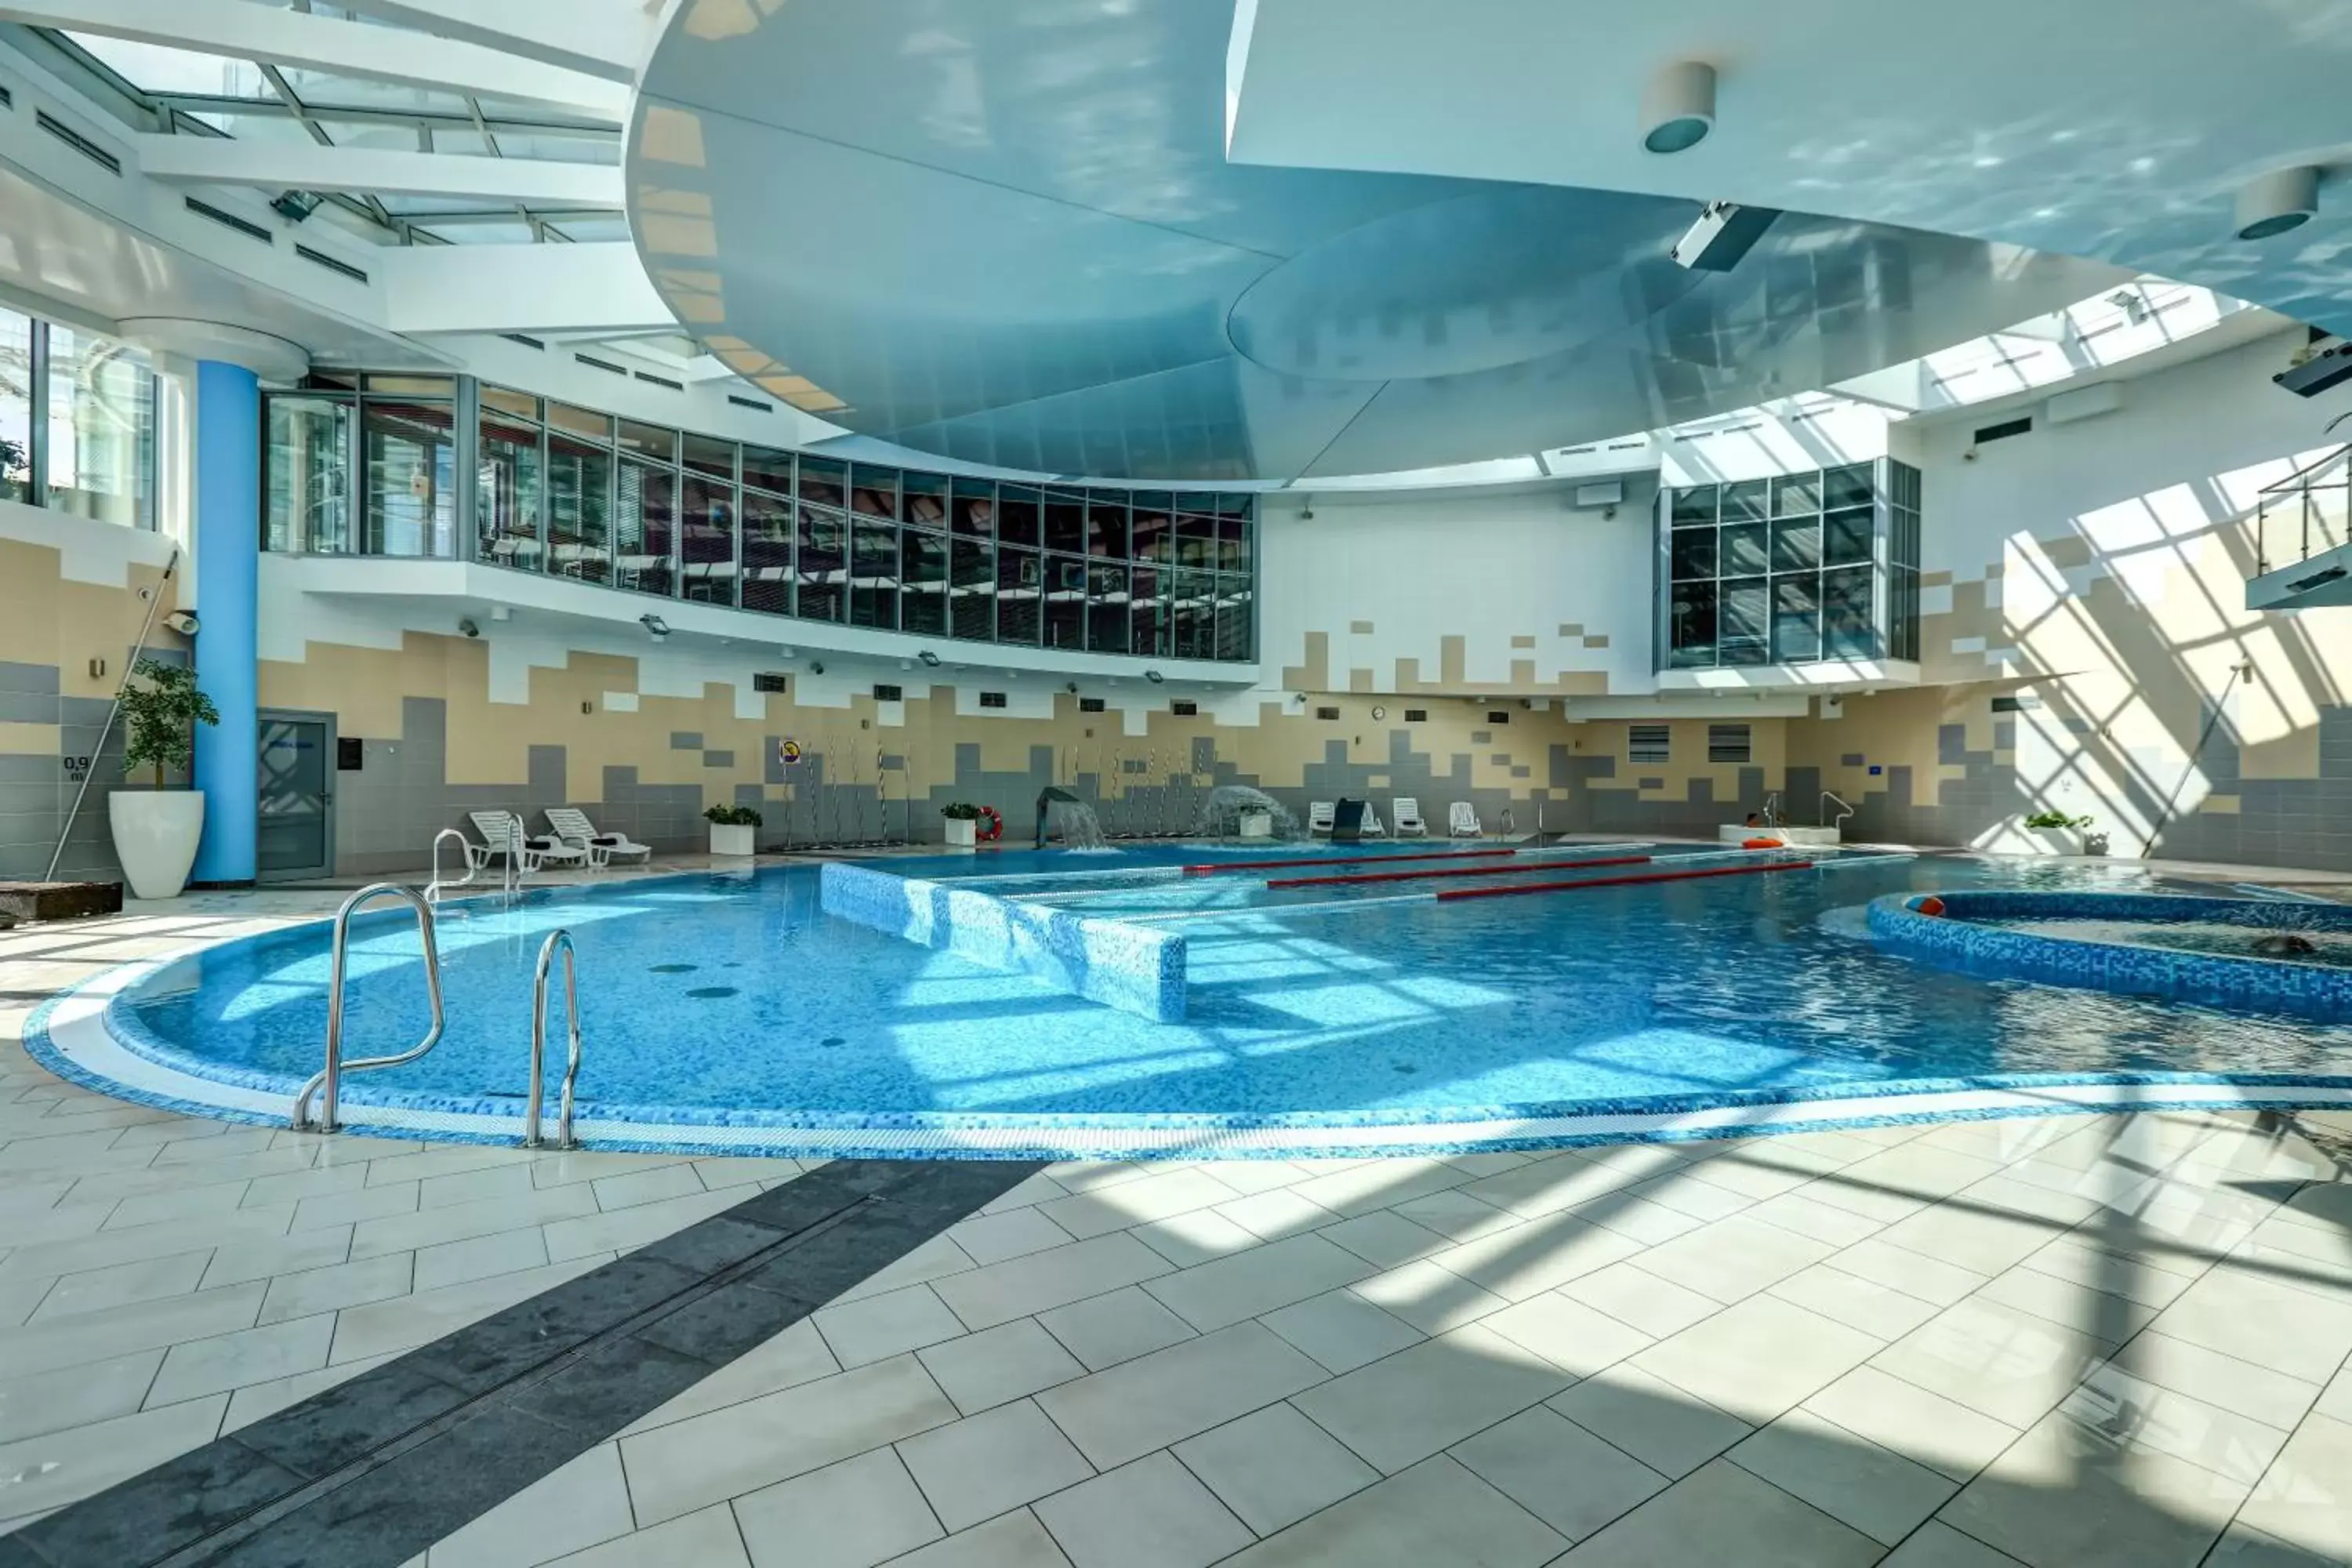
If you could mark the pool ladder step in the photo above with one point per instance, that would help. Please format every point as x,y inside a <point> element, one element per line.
<point>327,1083</point>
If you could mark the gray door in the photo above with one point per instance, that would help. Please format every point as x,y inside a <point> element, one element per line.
<point>296,837</point>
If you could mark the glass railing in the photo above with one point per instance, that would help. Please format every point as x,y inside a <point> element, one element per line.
<point>2309,513</point>
<point>375,465</point>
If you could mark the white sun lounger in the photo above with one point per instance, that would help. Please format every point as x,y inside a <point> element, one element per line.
<point>1319,814</point>
<point>502,834</point>
<point>1409,824</point>
<point>572,827</point>
<point>1462,820</point>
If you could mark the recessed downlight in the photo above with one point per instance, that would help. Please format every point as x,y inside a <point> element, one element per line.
<point>2270,204</point>
<point>1678,109</point>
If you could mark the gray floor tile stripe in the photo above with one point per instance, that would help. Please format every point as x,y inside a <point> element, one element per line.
<point>372,1472</point>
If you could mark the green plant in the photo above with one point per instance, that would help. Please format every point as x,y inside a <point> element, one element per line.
<point>734,815</point>
<point>961,811</point>
<point>163,706</point>
<point>16,465</point>
<point>2056,819</point>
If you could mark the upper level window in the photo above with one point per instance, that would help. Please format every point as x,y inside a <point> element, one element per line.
<point>77,422</point>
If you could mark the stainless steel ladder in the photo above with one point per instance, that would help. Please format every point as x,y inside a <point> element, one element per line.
<point>328,1079</point>
<point>1844,811</point>
<point>532,1139</point>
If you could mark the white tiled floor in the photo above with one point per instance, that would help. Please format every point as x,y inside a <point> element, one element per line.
<point>164,1279</point>
<point>2070,1340</point>
<point>2127,1347</point>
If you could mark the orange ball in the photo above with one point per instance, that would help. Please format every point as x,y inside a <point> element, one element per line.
<point>1930,905</point>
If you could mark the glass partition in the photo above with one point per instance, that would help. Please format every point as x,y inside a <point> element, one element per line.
<point>604,500</point>
<point>309,475</point>
<point>15,406</point>
<point>101,429</point>
<point>1793,569</point>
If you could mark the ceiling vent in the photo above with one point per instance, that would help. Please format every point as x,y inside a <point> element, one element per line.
<point>753,404</point>
<point>331,263</point>
<point>2004,430</point>
<point>77,141</point>
<point>229,220</point>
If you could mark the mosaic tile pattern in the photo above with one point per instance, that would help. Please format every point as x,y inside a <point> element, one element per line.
<point>1957,940</point>
<point>1135,969</point>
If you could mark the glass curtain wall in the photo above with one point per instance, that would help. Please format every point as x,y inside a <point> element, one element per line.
<point>578,493</point>
<point>1794,569</point>
<point>77,422</point>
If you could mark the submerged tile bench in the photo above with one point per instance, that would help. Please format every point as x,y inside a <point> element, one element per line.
<point>1135,969</point>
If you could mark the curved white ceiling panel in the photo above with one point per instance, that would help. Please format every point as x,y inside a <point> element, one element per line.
<point>1005,231</point>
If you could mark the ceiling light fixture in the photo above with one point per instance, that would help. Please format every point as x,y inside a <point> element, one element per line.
<point>2270,205</point>
<point>1722,237</point>
<point>656,625</point>
<point>295,206</point>
<point>929,658</point>
<point>1679,108</point>
<point>1154,677</point>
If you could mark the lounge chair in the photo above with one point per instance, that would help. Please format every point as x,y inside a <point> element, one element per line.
<point>1409,824</point>
<point>1371,824</point>
<point>572,827</point>
<point>502,834</point>
<point>1462,821</point>
<point>1319,816</point>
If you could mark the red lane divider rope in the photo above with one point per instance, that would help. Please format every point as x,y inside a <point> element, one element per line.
<point>1229,868</point>
<point>1625,881</point>
<point>1551,865</point>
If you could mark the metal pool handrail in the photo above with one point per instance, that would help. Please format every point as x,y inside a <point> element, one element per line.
<point>329,1076</point>
<point>433,888</point>
<point>558,937</point>
<point>1844,811</point>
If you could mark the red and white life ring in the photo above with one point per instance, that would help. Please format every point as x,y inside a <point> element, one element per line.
<point>991,826</point>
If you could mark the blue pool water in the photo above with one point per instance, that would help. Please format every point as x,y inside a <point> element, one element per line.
<point>725,996</point>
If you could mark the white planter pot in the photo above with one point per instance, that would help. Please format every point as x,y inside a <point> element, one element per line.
<point>734,838</point>
<point>963,833</point>
<point>1257,824</point>
<point>156,834</point>
<point>2055,840</point>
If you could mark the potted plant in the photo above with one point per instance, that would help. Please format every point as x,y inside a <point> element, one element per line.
<point>963,825</point>
<point>734,829</point>
<point>156,830</point>
<point>15,470</point>
<point>2057,833</point>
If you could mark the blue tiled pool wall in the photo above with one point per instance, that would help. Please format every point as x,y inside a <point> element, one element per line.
<point>1135,969</point>
<point>1960,939</point>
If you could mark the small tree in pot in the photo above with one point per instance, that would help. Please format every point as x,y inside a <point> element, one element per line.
<point>734,829</point>
<point>156,830</point>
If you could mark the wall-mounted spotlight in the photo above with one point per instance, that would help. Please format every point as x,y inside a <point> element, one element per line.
<point>295,206</point>
<point>656,625</point>
<point>1072,688</point>
<point>816,667</point>
<point>466,628</point>
<point>184,622</point>
<point>2270,205</point>
<point>1679,108</point>
<point>930,660</point>
<point>1154,677</point>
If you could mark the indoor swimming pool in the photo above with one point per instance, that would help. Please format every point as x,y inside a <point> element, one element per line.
<point>728,1010</point>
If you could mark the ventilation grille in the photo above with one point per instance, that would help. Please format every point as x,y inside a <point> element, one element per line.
<point>2005,429</point>
<point>1726,742</point>
<point>992,699</point>
<point>77,141</point>
<point>331,263</point>
<point>8,99</point>
<point>1184,708</point>
<point>888,694</point>
<point>661,380</point>
<point>524,339</point>
<point>753,404</point>
<point>1648,743</point>
<point>771,681</point>
<point>1498,717</point>
<point>1327,713</point>
<point>1416,715</point>
<point>1090,704</point>
<point>245,227</point>
<point>602,365</point>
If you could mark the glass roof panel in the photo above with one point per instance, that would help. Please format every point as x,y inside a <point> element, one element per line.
<point>158,67</point>
<point>560,149</point>
<point>279,127</point>
<point>324,91</point>
<point>516,233</point>
<point>390,137</point>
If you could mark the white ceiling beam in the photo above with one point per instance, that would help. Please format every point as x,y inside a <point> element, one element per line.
<point>304,166</point>
<point>535,288</point>
<point>604,38</point>
<point>305,42</point>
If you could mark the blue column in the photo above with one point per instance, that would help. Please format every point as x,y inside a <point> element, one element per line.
<point>227,548</point>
